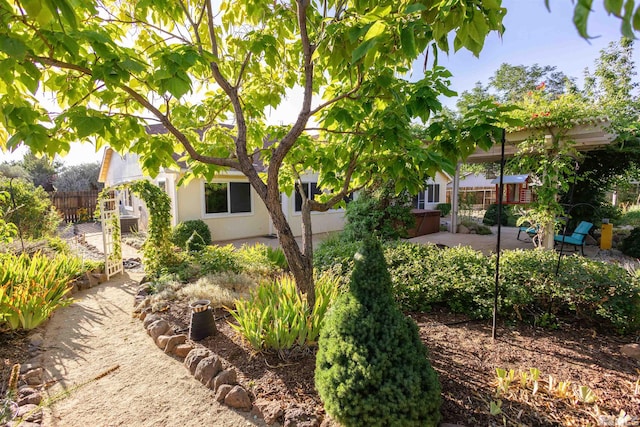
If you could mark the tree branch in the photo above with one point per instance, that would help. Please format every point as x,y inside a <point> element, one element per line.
<point>338,98</point>
<point>323,207</point>
<point>181,137</point>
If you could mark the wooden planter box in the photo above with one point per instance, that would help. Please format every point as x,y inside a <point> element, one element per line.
<point>427,222</point>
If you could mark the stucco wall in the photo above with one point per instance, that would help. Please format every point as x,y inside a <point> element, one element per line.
<point>223,226</point>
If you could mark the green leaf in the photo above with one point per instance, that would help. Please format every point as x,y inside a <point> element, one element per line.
<point>362,50</point>
<point>627,29</point>
<point>613,6</point>
<point>375,30</point>
<point>87,125</point>
<point>13,47</point>
<point>177,86</point>
<point>416,7</point>
<point>408,41</point>
<point>636,19</point>
<point>581,16</point>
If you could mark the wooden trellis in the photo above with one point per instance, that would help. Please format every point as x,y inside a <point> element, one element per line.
<point>111,237</point>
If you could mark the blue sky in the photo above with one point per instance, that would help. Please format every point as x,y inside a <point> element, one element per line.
<point>532,35</point>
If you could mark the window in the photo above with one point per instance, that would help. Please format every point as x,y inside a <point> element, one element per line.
<point>227,197</point>
<point>430,195</point>
<point>309,188</point>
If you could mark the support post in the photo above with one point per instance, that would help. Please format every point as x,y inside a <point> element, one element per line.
<point>454,200</point>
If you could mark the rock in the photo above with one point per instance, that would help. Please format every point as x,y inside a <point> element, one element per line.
<point>150,319</point>
<point>631,350</point>
<point>162,341</point>
<point>462,229</point>
<point>182,350</point>
<point>91,280</point>
<point>268,410</point>
<point>222,392</point>
<point>295,416</point>
<point>25,390</point>
<point>31,413</point>
<point>22,424</point>
<point>30,399</point>
<point>207,369</point>
<point>238,398</point>
<point>36,340</point>
<point>450,425</point>
<point>142,315</point>
<point>227,376</point>
<point>100,277</point>
<point>26,367</point>
<point>157,328</point>
<point>173,342</point>
<point>33,377</point>
<point>194,357</point>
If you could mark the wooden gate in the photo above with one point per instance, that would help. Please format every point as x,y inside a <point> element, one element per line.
<point>111,238</point>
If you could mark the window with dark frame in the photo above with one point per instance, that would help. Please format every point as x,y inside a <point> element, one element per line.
<point>223,197</point>
<point>431,194</point>
<point>308,188</point>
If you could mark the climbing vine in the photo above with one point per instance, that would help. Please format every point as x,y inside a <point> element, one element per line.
<point>156,250</point>
<point>552,160</point>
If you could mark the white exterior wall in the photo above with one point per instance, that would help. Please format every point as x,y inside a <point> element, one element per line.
<point>191,206</point>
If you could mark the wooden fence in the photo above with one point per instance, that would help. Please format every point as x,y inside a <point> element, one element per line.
<point>76,206</point>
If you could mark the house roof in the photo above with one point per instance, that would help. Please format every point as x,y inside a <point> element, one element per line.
<point>511,179</point>
<point>472,180</point>
<point>104,165</point>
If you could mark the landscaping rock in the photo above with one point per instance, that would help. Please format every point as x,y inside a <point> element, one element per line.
<point>150,319</point>
<point>462,229</point>
<point>30,413</point>
<point>173,342</point>
<point>157,328</point>
<point>26,390</point>
<point>162,341</point>
<point>238,398</point>
<point>182,350</point>
<point>222,392</point>
<point>33,377</point>
<point>194,357</point>
<point>227,376</point>
<point>22,424</point>
<point>26,367</point>
<point>268,410</point>
<point>207,369</point>
<point>296,416</point>
<point>30,399</point>
<point>631,350</point>
<point>142,315</point>
<point>36,340</point>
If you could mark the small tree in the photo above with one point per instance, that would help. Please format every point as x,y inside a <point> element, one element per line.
<point>371,368</point>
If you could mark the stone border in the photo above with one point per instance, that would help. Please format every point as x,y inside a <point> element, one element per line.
<point>212,371</point>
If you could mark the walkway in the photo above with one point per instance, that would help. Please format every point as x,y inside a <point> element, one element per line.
<point>146,387</point>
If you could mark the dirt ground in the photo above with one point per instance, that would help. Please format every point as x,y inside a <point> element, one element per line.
<point>146,388</point>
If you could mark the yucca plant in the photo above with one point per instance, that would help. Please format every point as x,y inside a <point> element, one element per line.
<point>276,317</point>
<point>31,288</point>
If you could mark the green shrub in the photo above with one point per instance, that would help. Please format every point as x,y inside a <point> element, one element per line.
<point>191,235</point>
<point>491,215</point>
<point>215,259</point>
<point>32,287</point>
<point>29,208</point>
<point>631,217</point>
<point>631,244</point>
<point>371,367</point>
<point>276,316</point>
<point>336,253</point>
<point>444,208</point>
<point>378,213</point>
<point>462,280</point>
<point>476,228</point>
<point>262,260</point>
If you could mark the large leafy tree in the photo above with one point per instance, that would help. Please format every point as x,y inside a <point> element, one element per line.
<point>197,66</point>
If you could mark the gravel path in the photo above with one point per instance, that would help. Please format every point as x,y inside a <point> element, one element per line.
<point>97,334</point>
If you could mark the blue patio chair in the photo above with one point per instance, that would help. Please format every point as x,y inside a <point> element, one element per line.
<point>531,231</point>
<point>577,238</point>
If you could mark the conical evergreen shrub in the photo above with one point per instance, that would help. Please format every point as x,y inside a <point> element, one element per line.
<point>371,367</point>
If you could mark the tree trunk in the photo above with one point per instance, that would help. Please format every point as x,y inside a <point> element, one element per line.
<point>300,261</point>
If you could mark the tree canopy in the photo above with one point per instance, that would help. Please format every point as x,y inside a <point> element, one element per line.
<point>209,71</point>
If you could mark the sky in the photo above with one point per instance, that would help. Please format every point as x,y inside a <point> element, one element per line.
<point>533,35</point>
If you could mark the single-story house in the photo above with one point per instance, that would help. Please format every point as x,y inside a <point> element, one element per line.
<point>228,204</point>
<point>517,189</point>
